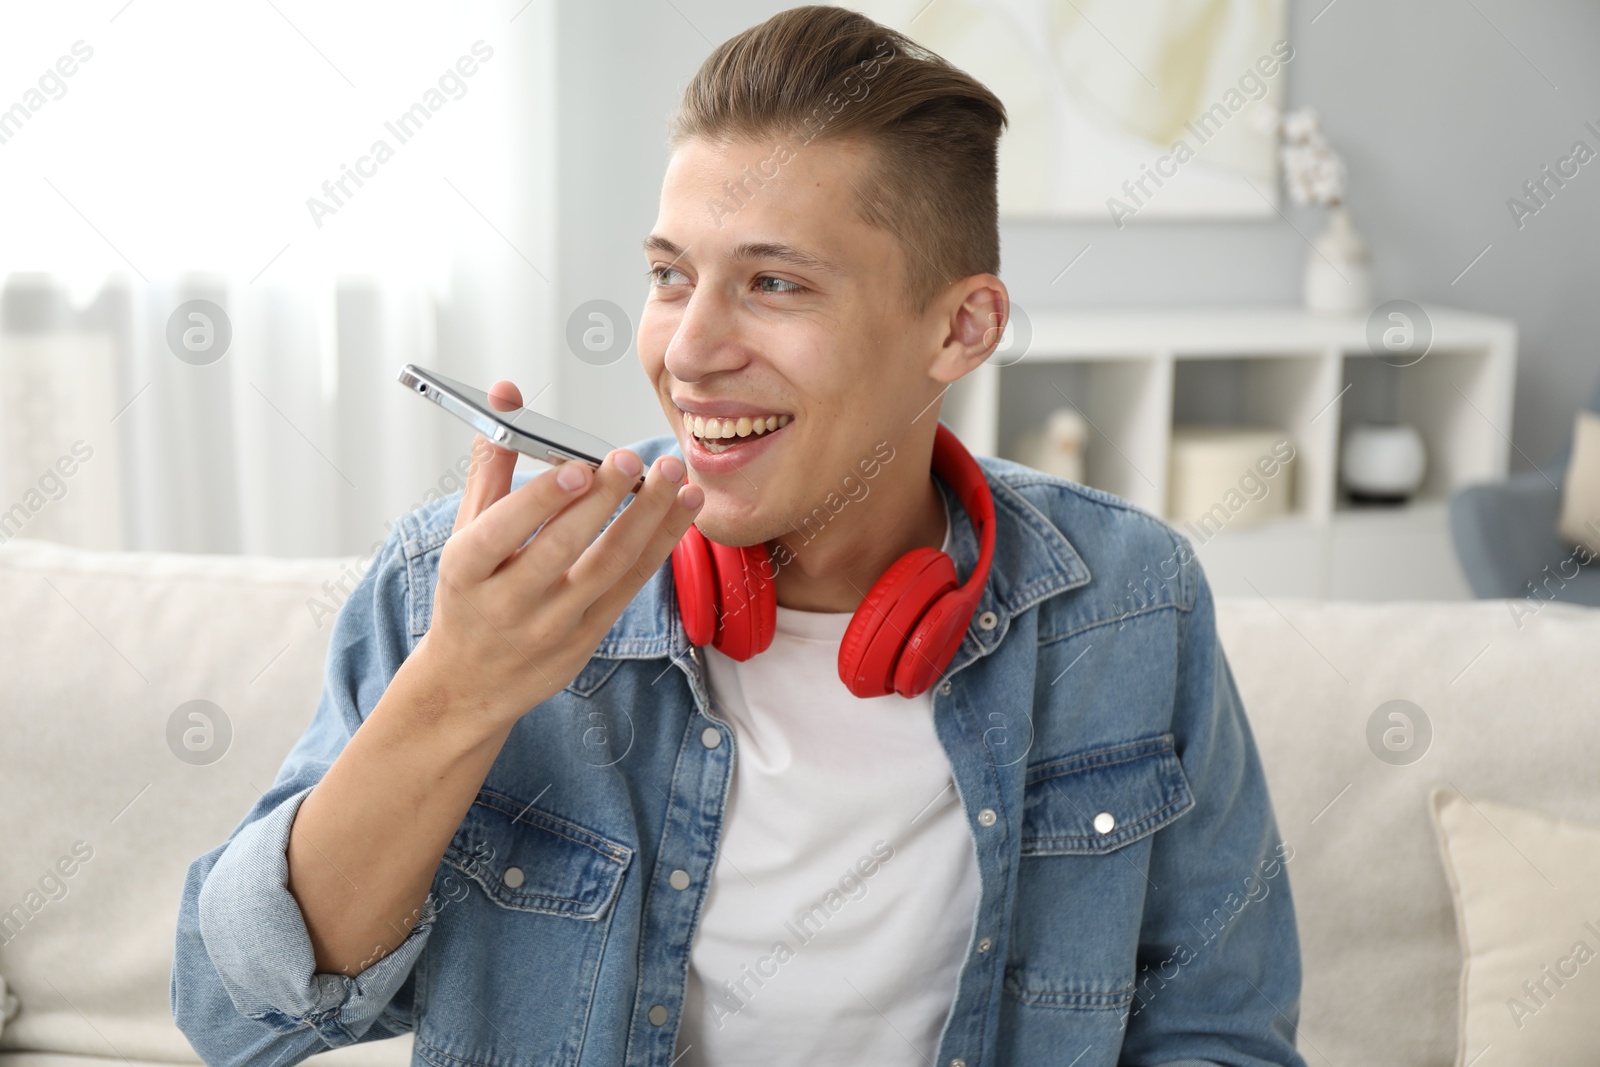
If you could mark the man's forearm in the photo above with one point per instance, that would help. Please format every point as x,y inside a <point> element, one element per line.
<point>367,841</point>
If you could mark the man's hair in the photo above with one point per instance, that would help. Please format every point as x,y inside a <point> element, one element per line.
<point>821,73</point>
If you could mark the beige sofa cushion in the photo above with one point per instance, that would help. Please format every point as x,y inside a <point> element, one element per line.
<point>1529,917</point>
<point>98,650</point>
<point>1579,521</point>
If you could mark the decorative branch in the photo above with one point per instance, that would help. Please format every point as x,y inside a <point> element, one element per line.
<point>1312,170</point>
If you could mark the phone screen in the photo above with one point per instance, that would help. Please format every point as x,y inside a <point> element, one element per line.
<point>531,422</point>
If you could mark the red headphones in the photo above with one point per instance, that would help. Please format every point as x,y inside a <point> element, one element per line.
<point>902,635</point>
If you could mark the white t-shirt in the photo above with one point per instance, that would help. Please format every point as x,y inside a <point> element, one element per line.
<point>846,883</point>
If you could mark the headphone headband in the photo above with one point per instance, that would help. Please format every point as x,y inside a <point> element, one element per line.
<point>955,465</point>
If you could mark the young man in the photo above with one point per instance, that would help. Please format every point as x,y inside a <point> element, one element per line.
<point>533,824</point>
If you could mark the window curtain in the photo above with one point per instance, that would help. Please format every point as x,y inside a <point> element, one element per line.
<point>229,227</point>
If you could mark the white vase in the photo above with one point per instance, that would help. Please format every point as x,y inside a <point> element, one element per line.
<point>1382,463</point>
<point>1338,278</point>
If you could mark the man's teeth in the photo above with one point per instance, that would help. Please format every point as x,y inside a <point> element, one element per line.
<point>715,429</point>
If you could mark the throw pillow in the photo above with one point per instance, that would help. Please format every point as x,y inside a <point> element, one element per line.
<point>9,1005</point>
<point>1528,916</point>
<point>1579,521</point>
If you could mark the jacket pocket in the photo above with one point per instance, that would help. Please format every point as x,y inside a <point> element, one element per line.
<point>1099,801</point>
<point>1080,900</point>
<point>511,969</point>
<point>526,859</point>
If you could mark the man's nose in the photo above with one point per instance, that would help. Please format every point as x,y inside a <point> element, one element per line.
<point>709,337</point>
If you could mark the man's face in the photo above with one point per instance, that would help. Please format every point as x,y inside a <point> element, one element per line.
<point>741,319</point>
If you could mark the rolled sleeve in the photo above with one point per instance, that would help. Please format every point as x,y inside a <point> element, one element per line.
<point>256,938</point>
<point>245,988</point>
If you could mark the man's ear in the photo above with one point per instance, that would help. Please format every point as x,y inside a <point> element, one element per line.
<point>979,308</point>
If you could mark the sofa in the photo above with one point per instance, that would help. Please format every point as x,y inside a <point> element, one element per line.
<point>113,773</point>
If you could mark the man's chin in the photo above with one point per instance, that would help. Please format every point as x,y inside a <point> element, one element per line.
<point>730,522</point>
<point>734,536</point>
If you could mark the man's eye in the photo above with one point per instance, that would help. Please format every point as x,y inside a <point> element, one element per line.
<point>657,274</point>
<point>794,287</point>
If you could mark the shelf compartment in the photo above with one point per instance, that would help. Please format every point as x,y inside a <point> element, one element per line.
<point>1453,399</point>
<point>1291,392</point>
<point>1124,400</point>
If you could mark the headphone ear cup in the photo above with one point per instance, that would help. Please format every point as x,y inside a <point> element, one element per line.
<point>875,640</point>
<point>694,577</point>
<point>747,603</point>
<point>933,644</point>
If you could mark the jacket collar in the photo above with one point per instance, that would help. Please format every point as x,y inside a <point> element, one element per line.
<point>1033,560</point>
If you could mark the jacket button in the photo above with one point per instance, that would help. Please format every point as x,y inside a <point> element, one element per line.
<point>986,817</point>
<point>658,1014</point>
<point>711,737</point>
<point>944,687</point>
<point>958,1062</point>
<point>988,620</point>
<point>984,944</point>
<point>679,879</point>
<point>512,877</point>
<point>1105,822</point>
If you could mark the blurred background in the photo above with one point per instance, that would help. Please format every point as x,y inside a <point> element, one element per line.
<point>230,225</point>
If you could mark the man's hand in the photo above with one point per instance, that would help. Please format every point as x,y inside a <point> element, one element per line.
<point>514,623</point>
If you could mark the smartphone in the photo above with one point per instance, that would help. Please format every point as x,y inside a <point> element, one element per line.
<point>521,429</point>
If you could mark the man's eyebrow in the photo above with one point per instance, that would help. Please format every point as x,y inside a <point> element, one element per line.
<point>656,243</point>
<point>797,257</point>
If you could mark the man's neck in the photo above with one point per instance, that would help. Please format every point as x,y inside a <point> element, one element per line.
<point>834,569</point>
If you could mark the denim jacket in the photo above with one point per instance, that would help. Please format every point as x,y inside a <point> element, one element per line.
<point>1134,903</point>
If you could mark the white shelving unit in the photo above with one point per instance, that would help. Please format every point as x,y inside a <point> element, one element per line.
<point>1134,374</point>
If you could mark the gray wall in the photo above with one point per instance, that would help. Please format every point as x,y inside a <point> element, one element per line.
<point>1441,109</point>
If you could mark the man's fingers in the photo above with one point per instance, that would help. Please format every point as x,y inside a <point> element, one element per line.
<point>562,538</point>
<point>489,475</point>
<point>617,548</point>
<point>488,479</point>
<point>505,396</point>
<point>500,530</point>
<point>664,537</point>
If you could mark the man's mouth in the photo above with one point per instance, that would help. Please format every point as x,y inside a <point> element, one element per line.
<point>717,435</point>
